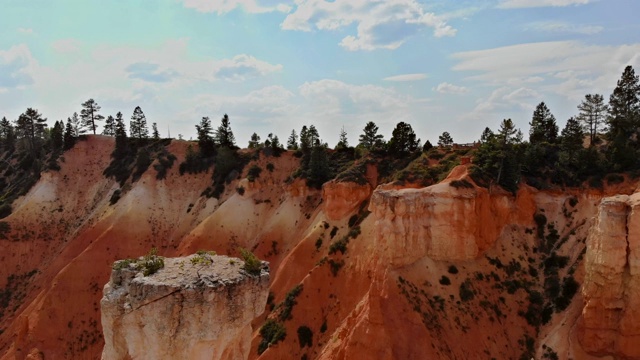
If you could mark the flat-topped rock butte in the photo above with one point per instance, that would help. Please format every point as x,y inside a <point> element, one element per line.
<point>195,307</point>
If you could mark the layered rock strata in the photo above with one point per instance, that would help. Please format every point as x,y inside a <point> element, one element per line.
<point>196,307</point>
<point>611,288</point>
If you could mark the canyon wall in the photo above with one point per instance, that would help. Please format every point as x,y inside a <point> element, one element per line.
<point>196,307</point>
<point>610,318</point>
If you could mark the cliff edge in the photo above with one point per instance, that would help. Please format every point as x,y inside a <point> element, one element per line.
<point>195,307</point>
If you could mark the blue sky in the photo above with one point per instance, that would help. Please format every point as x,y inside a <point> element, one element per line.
<point>274,65</point>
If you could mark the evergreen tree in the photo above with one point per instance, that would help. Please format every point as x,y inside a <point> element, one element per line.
<point>292,142</point>
<point>343,143</point>
<point>69,138</point>
<point>313,136</point>
<point>427,146</point>
<point>319,171</point>
<point>109,126</point>
<point>305,143</point>
<point>30,128</point>
<point>370,139</point>
<point>592,113</point>
<point>445,140</point>
<point>138,125</point>
<point>254,142</point>
<point>76,125</point>
<point>572,136</point>
<point>57,136</point>
<point>568,168</point>
<point>155,132</point>
<point>89,115</point>
<point>403,140</point>
<point>223,136</point>
<point>543,126</point>
<point>499,156</point>
<point>487,134</point>
<point>122,141</point>
<point>624,105</point>
<point>7,134</point>
<point>205,140</point>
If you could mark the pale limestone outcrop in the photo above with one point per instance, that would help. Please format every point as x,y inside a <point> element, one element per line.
<point>441,221</point>
<point>611,316</point>
<point>187,310</point>
<point>341,198</point>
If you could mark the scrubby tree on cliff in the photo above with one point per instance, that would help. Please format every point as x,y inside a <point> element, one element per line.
<point>403,140</point>
<point>370,139</point>
<point>90,116</point>
<point>223,136</point>
<point>541,154</point>
<point>592,114</point>
<point>57,136</point>
<point>570,167</point>
<point>138,125</point>
<point>122,141</point>
<point>155,132</point>
<point>319,171</point>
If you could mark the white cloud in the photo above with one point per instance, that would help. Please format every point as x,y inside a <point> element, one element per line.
<point>380,24</point>
<point>406,77</point>
<point>66,46</point>
<point>446,88</point>
<point>513,4</point>
<point>242,67</point>
<point>16,67</point>
<point>564,27</point>
<point>224,6</point>
<point>25,31</point>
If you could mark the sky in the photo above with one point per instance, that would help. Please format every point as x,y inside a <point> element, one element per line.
<point>275,65</point>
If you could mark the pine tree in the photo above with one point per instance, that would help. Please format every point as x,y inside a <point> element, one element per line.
<point>223,136</point>
<point>319,171</point>
<point>138,125</point>
<point>313,136</point>
<point>76,125</point>
<point>343,143</point>
<point>624,105</point>
<point>69,138</point>
<point>403,140</point>
<point>292,142</point>
<point>592,114</point>
<point>109,126</point>
<point>254,142</point>
<point>543,126</point>
<point>206,144</point>
<point>30,127</point>
<point>7,134</point>
<point>89,115</point>
<point>487,135</point>
<point>122,141</point>
<point>370,139</point>
<point>572,136</point>
<point>445,140</point>
<point>156,134</point>
<point>305,143</point>
<point>57,136</point>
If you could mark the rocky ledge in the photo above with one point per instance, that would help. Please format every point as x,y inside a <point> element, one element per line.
<point>195,307</point>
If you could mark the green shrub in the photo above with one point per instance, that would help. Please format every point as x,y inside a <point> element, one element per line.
<point>115,196</point>
<point>252,264</point>
<point>445,281</point>
<point>461,184</point>
<point>466,291</point>
<point>289,302</point>
<point>318,243</point>
<point>151,262</point>
<point>240,190</point>
<point>453,269</point>
<point>305,336</point>
<point>270,167</point>
<point>271,332</point>
<point>613,179</point>
<point>335,266</point>
<point>254,173</point>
